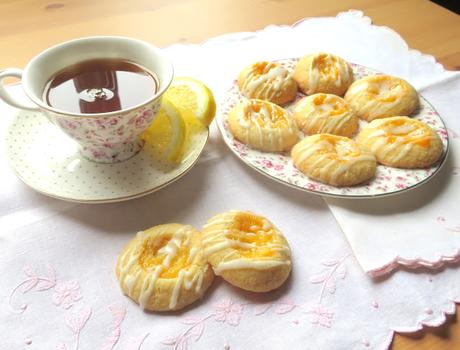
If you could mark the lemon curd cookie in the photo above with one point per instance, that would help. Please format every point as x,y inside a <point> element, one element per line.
<point>267,81</point>
<point>382,96</point>
<point>334,160</point>
<point>263,125</point>
<point>247,250</point>
<point>323,72</point>
<point>325,113</point>
<point>402,142</point>
<point>163,268</point>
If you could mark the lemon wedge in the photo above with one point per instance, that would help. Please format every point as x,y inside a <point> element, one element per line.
<point>191,95</point>
<point>167,133</point>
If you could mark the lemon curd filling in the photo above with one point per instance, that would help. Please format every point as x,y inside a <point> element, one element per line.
<point>262,114</point>
<point>252,230</point>
<point>406,132</point>
<point>337,148</point>
<point>326,66</point>
<point>153,254</point>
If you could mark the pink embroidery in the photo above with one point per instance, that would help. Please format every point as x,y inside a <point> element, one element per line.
<point>33,282</point>
<point>229,312</point>
<point>195,331</point>
<point>76,323</point>
<point>66,294</point>
<point>136,343</point>
<point>118,315</point>
<point>429,311</point>
<point>365,342</point>
<point>226,347</point>
<point>261,309</point>
<point>375,304</point>
<point>285,306</point>
<point>320,315</point>
<point>335,269</point>
<point>28,341</point>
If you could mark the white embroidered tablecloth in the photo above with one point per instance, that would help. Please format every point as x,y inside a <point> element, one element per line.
<point>58,287</point>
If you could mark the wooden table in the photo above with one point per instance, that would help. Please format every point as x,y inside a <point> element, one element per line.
<point>29,26</point>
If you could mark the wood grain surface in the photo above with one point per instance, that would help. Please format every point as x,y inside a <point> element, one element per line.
<point>29,26</point>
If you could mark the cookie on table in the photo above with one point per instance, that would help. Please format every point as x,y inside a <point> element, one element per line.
<point>402,142</point>
<point>325,113</point>
<point>263,126</point>
<point>333,160</point>
<point>323,72</point>
<point>382,96</point>
<point>267,81</point>
<point>164,268</point>
<point>247,250</point>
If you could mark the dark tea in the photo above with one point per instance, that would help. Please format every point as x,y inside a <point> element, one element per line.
<point>100,86</point>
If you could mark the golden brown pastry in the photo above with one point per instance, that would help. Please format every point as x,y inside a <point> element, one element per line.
<point>163,268</point>
<point>325,113</point>
<point>323,72</point>
<point>382,96</point>
<point>263,125</point>
<point>334,160</point>
<point>247,250</point>
<point>401,142</point>
<point>267,81</point>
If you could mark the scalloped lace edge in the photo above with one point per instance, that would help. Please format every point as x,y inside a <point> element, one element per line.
<point>415,263</point>
<point>441,319</point>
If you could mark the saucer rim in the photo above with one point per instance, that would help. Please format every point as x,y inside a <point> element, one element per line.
<point>204,140</point>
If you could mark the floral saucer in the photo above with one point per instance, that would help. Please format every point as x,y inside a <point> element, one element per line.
<point>279,167</point>
<point>47,160</point>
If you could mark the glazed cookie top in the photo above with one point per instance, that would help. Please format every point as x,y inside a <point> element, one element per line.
<point>384,135</point>
<point>380,96</point>
<point>263,124</point>
<point>243,240</point>
<point>331,147</point>
<point>323,72</point>
<point>325,113</point>
<point>167,252</point>
<point>266,80</point>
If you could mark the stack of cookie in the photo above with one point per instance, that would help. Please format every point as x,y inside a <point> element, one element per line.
<point>322,129</point>
<point>170,266</point>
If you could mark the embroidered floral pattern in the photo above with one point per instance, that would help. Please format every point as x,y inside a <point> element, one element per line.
<point>33,282</point>
<point>66,294</point>
<point>229,312</point>
<point>279,166</point>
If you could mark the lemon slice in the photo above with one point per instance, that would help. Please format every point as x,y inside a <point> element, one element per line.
<point>166,135</point>
<point>191,95</point>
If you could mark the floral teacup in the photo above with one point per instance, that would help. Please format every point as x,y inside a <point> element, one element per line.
<point>103,137</point>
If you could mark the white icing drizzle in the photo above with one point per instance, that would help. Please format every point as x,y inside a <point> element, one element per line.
<point>323,113</point>
<point>216,239</point>
<point>317,77</point>
<point>131,274</point>
<point>265,84</point>
<point>248,264</point>
<point>404,137</point>
<point>260,129</point>
<point>333,161</point>
<point>378,95</point>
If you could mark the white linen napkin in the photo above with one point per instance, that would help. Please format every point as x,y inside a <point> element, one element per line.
<point>420,227</point>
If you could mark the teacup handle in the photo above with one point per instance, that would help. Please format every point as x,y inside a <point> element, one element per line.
<point>6,96</point>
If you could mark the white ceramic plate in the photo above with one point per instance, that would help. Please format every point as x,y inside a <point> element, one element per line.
<point>48,161</point>
<point>279,167</point>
